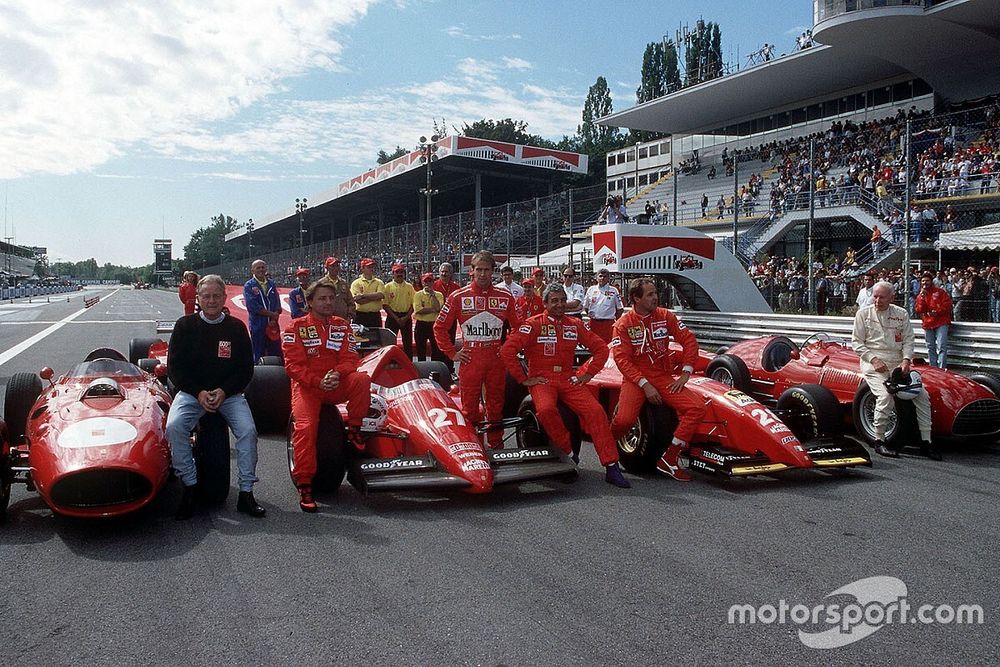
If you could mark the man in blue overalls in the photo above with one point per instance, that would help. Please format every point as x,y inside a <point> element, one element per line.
<point>260,295</point>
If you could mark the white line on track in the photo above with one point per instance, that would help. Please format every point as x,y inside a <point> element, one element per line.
<point>24,345</point>
<point>36,322</point>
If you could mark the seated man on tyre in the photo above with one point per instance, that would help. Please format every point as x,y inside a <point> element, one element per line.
<point>549,343</point>
<point>210,361</point>
<point>321,357</point>
<point>641,348</point>
<point>883,338</point>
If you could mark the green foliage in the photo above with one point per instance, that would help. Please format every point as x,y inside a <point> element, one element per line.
<point>659,76</point>
<point>384,157</point>
<point>703,58</point>
<point>89,269</point>
<point>508,130</point>
<point>207,248</point>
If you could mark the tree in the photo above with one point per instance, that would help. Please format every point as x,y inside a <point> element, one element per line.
<point>384,157</point>
<point>596,140</point>
<point>659,76</point>
<point>508,130</point>
<point>206,245</point>
<point>703,58</point>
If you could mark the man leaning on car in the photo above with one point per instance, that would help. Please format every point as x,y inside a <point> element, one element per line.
<point>883,338</point>
<point>210,361</point>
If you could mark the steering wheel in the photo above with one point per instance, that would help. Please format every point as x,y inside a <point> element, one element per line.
<point>823,337</point>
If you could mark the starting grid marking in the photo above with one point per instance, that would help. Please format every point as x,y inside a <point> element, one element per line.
<point>29,322</point>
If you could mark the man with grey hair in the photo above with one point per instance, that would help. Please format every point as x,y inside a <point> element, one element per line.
<point>210,362</point>
<point>883,338</point>
<point>260,296</point>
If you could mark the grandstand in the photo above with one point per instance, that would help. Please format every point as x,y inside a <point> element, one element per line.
<point>883,76</point>
<point>15,262</point>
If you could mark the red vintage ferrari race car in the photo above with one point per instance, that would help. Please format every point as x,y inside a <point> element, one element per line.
<point>766,368</point>
<point>739,436</point>
<point>93,443</point>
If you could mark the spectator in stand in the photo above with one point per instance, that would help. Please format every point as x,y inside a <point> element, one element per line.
<point>929,221</point>
<point>993,285</point>
<point>866,295</point>
<point>721,206</point>
<point>369,292</point>
<point>949,218</point>
<point>508,283</point>
<point>876,241</point>
<point>297,297</point>
<point>260,295</point>
<point>398,306</point>
<point>426,305</point>
<point>704,205</point>
<point>822,292</point>
<point>934,307</point>
<point>188,292</point>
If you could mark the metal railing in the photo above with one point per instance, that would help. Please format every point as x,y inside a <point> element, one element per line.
<point>828,9</point>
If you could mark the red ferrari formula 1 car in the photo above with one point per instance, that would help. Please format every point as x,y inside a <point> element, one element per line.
<point>768,367</point>
<point>419,438</point>
<point>739,436</point>
<point>93,443</point>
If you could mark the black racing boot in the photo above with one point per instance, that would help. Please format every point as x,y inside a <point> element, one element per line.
<point>882,450</point>
<point>930,451</point>
<point>247,504</point>
<point>185,510</point>
<point>614,476</point>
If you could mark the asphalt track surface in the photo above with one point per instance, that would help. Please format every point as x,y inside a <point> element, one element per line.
<point>533,575</point>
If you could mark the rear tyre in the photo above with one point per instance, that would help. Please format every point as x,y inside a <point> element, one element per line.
<point>901,426</point>
<point>532,435</point>
<point>269,395</point>
<point>729,370</point>
<point>6,474</point>
<point>138,349</point>
<point>331,451</point>
<point>441,373</point>
<point>813,411</point>
<point>211,455</point>
<point>270,360</point>
<point>513,393</point>
<point>148,365</point>
<point>988,380</point>
<point>23,390</point>
<point>643,444</point>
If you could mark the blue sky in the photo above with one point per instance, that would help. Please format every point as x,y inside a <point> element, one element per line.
<point>126,121</point>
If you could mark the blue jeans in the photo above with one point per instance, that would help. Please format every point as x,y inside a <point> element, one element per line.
<point>181,420</point>
<point>937,345</point>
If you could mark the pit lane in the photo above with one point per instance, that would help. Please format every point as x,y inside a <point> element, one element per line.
<point>536,574</point>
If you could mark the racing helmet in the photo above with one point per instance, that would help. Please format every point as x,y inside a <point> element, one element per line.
<point>378,411</point>
<point>905,386</point>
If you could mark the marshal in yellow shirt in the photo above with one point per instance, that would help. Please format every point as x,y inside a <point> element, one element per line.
<point>421,300</point>
<point>398,296</point>
<point>361,286</point>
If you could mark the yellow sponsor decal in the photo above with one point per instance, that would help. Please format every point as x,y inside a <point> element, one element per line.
<point>754,470</point>
<point>850,460</point>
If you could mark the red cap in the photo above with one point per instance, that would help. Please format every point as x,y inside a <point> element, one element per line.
<point>367,261</point>
<point>329,261</point>
<point>427,276</point>
<point>528,282</point>
<point>538,272</point>
<point>302,271</point>
<point>398,267</point>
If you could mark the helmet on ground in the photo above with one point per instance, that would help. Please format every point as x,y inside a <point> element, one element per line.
<point>377,413</point>
<point>904,385</point>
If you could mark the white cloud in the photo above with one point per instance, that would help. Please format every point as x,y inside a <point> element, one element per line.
<point>516,63</point>
<point>460,32</point>
<point>78,88</point>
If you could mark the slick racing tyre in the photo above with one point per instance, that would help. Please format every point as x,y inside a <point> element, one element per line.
<point>270,360</point>
<point>138,349</point>
<point>729,370</point>
<point>988,380</point>
<point>643,444</point>
<point>531,435</point>
<point>810,411</point>
<point>441,373</point>
<point>23,390</point>
<point>331,451</point>
<point>269,395</point>
<point>513,393</point>
<point>6,474</point>
<point>211,455</point>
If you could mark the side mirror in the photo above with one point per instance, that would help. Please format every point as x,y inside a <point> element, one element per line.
<point>160,371</point>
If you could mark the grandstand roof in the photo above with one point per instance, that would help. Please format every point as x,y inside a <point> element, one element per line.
<point>396,184</point>
<point>954,46</point>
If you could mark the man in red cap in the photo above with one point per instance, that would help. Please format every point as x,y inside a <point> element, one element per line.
<point>549,344</point>
<point>482,310</point>
<point>530,304</point>
<point>343,303</point>
<point>641,348</point>
<point>368,293</point>
<point>321,357</point>
<point>539,279</point>
<point>398,306</point>
<point>446,285</point>
<point>297,297</point>
<point>427,303</point>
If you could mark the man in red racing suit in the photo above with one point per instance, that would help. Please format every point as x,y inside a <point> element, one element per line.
<point>481,309</point>
<point>549,343</point>
<point>322,362</point>
<point>641,348</point>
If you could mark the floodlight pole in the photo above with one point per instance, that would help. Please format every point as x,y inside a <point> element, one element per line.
<point>428,155</point>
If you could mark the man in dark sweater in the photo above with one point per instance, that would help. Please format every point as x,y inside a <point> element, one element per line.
<point>211,363</point>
